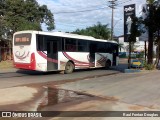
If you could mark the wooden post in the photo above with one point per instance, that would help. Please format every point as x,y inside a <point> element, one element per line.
<point>129,56</point>
<point>145,50</point>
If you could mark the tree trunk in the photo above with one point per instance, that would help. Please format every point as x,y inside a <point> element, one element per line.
<point>157,50</point>
<point>150,41</point>
<point>129,57</point>
<point>150,47</point>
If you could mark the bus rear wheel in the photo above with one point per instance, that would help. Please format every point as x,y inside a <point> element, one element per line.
<point>69,68</point>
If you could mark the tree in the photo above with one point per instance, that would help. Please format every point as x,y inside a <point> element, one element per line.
<point>98,31</point>
<point>150,24</point>
<point>157,30</point>
<point>150,1</point>
<point>18,15</point>
<point>24,15</point>
<point>2,18</point>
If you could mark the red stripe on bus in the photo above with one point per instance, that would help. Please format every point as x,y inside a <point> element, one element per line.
<point>45,57</point>
<point>23,66</point>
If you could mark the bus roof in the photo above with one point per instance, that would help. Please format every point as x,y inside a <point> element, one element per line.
<point>67,35</point>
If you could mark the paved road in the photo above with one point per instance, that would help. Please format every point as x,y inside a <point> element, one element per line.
<point>134,92</point>
<point>136,88</point>
<point>20,77</point>
<point>14,77</point>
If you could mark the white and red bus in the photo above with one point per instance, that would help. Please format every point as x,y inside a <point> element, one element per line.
<point>57,51</point>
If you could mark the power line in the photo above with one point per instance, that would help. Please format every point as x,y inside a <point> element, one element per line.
<point>98,5</point>
<point>112,4</point>
<point>81,10</point>
<point>71,25</point>
<point>124,2</point>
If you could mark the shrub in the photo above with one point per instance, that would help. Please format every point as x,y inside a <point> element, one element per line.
<point>140,55</point>
<point>149,66</point>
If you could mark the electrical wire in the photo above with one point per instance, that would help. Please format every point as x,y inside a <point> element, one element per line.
<point>81,10</point>
<point>124,2</point>
<point>88,10</point>
<point>70,25</point>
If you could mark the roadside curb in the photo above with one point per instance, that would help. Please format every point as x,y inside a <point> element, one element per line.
<point>131,70</point>
<point>139,71</point>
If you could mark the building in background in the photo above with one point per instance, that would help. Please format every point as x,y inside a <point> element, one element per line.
<point>124,46</point>
<point>139,46</point>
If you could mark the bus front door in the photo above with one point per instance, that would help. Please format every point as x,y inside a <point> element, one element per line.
<point>92,51</point>
<point>114,59</point>
<point>92,60</point>
<point>115,54</point>
<point>52,55</point>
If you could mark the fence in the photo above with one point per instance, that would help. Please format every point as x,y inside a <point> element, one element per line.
<point>5,53</point>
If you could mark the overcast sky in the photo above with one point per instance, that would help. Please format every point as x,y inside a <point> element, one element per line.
<point>72,14</point>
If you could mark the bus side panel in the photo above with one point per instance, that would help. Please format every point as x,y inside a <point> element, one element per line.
<point>101,58</point>
<point>80,59</point>
<point>117,61</point>
<point>62,61</point>
<point>40,55</point>
<point>41,61</point>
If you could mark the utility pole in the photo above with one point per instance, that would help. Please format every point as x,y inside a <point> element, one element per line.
<point>112,6</point>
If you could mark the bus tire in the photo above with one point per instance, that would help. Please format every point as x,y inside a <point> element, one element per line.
<point>108,64</point>
<point>69,68</point>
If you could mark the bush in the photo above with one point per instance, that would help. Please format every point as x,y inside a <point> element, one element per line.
<point>148,66</point>
<point>140,55</point>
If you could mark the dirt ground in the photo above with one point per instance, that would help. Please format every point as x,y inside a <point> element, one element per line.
<point>6,64</point>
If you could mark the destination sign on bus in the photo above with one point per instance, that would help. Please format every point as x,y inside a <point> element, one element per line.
<point>22,39</point>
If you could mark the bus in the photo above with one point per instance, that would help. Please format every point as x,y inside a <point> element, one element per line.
<point>58,51</point>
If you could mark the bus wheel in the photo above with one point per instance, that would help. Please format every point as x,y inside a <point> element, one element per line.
<point>108,65</point>
<point>69,68</point>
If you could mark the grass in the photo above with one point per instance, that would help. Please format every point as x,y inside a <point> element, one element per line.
<point>6,64</point>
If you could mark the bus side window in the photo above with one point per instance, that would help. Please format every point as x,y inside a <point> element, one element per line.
<point>48,48</point>
<point>93,47</point>
<point>70,45</point>
<point>115,49</point>
<point>109,48</point>
<point>82,46</point>
<point>101,47</point>
<point>41,45</point>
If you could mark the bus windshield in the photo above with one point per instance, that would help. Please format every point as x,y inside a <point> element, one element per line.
<point>22,39</point>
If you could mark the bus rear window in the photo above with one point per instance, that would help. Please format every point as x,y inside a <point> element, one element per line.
<point>22,39</point>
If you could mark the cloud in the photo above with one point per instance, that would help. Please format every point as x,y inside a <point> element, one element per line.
<point>71,21</point>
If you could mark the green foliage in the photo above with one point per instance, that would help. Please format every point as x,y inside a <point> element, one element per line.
<point>17,15</point>
<point>151,22</point>
<point>135,32</point>
<point>148,66</point>
<point>98,31</point>
<point>140,55</point>
<point>150,1</point>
